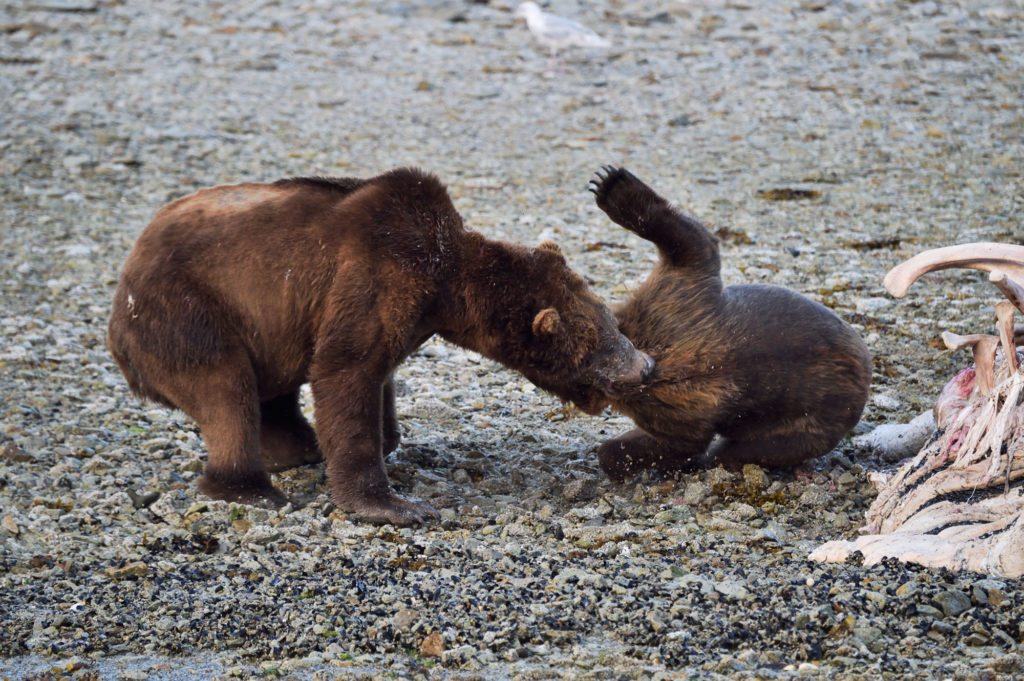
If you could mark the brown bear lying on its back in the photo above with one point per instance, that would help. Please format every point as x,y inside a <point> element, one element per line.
<point>780,378</point>
<point>235,296</point>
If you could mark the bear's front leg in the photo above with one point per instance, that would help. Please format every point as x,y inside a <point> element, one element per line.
<point>392,432</point>
<point>682,240</point>
<point>348,405</point>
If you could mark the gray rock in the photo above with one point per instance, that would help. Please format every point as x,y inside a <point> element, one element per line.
<point>581,489</point>
<point>867,634</point>
<point>695,493</point>
<point>732,589</point>
<point>952,602</point>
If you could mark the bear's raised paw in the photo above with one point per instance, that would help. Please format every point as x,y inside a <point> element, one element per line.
<point>623,196</point>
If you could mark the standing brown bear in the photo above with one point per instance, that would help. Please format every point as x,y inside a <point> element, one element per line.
<point>235,296</point>
<point>778,377</point>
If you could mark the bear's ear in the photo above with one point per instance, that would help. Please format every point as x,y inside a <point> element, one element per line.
<point>546,322</point>
<point>551,247</point>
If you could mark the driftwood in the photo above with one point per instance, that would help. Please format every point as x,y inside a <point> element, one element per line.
<point>959,503</point>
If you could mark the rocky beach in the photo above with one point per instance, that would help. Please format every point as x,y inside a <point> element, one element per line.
<point>823,141</point>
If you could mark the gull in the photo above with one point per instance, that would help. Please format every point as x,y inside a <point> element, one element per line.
<point>555,32</point>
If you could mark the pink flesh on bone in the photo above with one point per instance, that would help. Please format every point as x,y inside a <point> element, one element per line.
<point>953,397</point>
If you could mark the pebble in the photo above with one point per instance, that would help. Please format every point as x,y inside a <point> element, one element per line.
<point>755,477</point>
<point>732,589</point>
<point>952,602</point>
<point>886,401</point>
<point>582,489</point>
<point>432,645</point>
<point>695,493</point>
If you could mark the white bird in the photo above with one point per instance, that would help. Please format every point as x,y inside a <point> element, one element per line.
<point>555,32</point>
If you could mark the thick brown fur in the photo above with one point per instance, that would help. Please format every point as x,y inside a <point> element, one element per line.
<point>779,378</point>
<point>235,296</point>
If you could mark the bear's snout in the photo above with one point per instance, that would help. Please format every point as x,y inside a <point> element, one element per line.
<point>640,372</point>
<point>637,374</point>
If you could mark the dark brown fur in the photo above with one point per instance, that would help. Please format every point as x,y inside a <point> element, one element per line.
<point>235,296</point>
<point>778,377</point>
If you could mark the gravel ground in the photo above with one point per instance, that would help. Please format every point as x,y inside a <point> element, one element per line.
<point>900,122</point>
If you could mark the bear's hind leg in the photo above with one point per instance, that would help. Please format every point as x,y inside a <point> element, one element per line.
<point>635,451</point>
<point>780,450</point>
<point>224,404</point>
<point>286,438</point>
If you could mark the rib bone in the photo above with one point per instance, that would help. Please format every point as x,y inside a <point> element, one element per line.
<point>1007,258</point>
<point>959,503</point>
<point>1004,322</point>
<point>941,509</point>
<point>955,341</point>
<point>1013,290</point>
<point>984,363</point>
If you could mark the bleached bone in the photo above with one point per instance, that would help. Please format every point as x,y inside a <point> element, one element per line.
<point>1007,258</point>
<point>954,341</point>
<point>959,503</point>
<point>952,506</point>
<point>1004,323</point>
<point>984,363</point>
<point>1002,556</point>
<point>984,349</point>
<point>1013,290</point>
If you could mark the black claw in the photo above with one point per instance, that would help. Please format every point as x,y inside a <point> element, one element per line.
<point>607,177</point>
<point>605,173</point>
